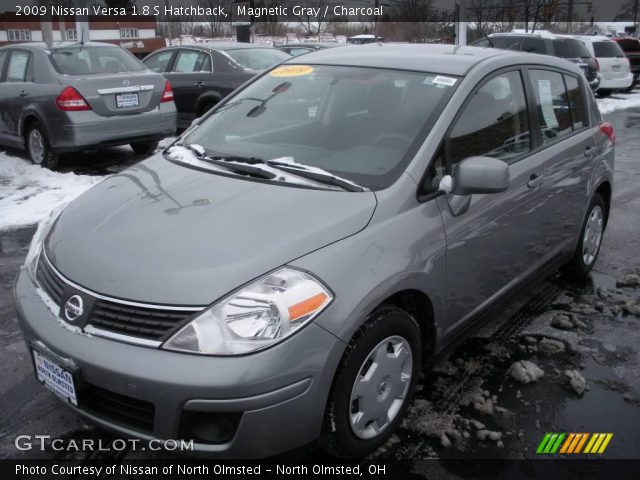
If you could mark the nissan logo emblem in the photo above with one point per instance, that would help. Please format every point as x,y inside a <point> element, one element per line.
<point>73,308</point>
<point>126,82</point>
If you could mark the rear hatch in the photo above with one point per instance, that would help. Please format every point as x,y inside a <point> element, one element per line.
<point>611,58</point>
<point>575,51</point>
<point>631,48</point>
<point>111,80</point>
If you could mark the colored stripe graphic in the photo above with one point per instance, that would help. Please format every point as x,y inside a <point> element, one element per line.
<point>573,443</point>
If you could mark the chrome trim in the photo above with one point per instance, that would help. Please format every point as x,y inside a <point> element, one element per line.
<point>91,330</point>
<point>133,89</point>
<point>117,300</point>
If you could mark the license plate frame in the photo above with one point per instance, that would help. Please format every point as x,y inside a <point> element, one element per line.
<point>48,369</point>
<point>126,100</point>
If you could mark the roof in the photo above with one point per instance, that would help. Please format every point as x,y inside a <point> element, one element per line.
<point>228,45</point>
<point>54,45</point>
<point>594,38</point>
<point>447,59</point>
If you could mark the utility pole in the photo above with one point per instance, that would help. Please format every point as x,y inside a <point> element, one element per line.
<point>635,18</point>
<point>570,17</point>
<point>461,24</point>
<point>45,26</point>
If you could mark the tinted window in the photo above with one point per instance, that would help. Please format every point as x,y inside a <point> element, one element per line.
<point>3,57</point>
<point>576,102</point>
<point>359,123</point>
<point>534,45</point>
<point>570,48</point>
<point>629,45</point>
<point>553,106</point>
<point>160,61</point>
<point>189,61</point>
<point>507,43</point>
<point>89,60</point>
<point>494,123</point>
<point>607,49</point>
<point>18,64</point>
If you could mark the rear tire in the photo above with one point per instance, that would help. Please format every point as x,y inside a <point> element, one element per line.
<point>39,149</point>
<point>604,93</point>
<point>204,108</point>
<point>374,384</point>
<point>144,148</point>
<point>586,254</point>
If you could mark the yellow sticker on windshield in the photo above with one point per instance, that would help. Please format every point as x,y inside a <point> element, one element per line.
<point>292,71</point>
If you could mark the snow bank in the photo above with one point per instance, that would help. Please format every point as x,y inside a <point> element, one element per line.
<point>28,192</point>
<point>619,101</point>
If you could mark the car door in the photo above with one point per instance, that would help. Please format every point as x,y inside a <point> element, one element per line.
<point>568,145</point>
<point>17,86</point>
<point>496,241</point>
<point>4,93</point>
<point>190,76</point>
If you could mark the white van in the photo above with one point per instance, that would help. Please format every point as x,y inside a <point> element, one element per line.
<point>615,72</point>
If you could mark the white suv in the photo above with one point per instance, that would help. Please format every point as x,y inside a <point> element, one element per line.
<point>615,72</point>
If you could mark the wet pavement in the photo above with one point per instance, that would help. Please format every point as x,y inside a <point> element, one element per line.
<point>472,406</point>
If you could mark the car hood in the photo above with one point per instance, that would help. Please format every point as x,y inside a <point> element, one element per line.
<point>167,234</point>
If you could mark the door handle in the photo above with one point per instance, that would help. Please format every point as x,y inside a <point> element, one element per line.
<point>535,180</point>
<point>199,84</point>
<point>588,151</point>
<point>23,93</point>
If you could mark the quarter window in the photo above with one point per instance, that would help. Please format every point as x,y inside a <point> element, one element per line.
<point>552,104</point>
<point>17,69</point>
<point>576,102</point>
<point>494,123</point>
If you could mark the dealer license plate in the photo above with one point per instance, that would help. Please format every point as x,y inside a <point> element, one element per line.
<point>127,100</point>
<point>55,378</point>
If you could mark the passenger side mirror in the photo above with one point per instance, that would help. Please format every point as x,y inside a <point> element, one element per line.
<point>480,175</point>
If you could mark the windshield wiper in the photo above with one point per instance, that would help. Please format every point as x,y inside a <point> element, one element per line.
<point>311,173</point>
<point>228,163</point>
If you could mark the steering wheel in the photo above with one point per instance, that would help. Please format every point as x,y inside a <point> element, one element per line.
<point>391,139</point>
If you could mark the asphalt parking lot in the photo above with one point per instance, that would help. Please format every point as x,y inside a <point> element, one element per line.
<point>585,338</point>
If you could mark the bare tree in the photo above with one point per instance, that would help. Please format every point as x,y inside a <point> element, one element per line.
<point>218,27</point>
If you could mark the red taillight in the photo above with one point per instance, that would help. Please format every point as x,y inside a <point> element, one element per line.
<point>70,100</point>
<point>608,130</point>
<point>167,95</point>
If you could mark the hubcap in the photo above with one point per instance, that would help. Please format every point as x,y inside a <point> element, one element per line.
<point>36,146</point>
<point>592,235</point>
<point>380,387</point>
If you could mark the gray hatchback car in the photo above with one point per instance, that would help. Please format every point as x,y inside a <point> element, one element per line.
<point>286,269</point>
<point>73,97</point>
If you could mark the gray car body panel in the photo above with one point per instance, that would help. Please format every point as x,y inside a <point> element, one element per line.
<point>366,247</point>
<point>80,130</point>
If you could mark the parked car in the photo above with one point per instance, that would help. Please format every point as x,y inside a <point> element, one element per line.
<point>631,48</point>
<point>614,68</point>
<point>295,49</point>
<point>285,270</point>
<point>73,97</point>
<point>202,75</point>
<point>545,43</point>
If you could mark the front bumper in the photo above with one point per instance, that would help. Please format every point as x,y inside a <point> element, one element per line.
<point>276,398</point>
<point>83,130</point>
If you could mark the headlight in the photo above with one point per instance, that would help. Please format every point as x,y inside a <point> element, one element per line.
<point>255,317</point>
<point>33,254</point>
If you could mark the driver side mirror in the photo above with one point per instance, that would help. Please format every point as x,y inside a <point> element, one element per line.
<point>474,175</point>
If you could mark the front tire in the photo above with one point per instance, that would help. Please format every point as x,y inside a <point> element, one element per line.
<point>373,385</point>
<point>39,149</point>
<point>144,148</point>
<point>591,235</point>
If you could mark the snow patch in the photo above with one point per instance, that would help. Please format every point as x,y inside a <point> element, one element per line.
<point>28,193</point>
<point>525,372</point>
<point>576,381</point>
<point>619,102</point>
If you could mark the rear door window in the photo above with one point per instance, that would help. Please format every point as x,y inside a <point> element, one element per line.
<point>189,61</point>
<point>494,123</point>
<point>18,66</point>
<point>507,43</point>
<point>552,104</point>
<point>576,102</point>
<point>534,45</point>
<point>570,48</point>
<point>607,50</point>
<point>159,62</point>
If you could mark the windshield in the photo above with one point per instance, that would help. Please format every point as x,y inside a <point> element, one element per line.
<point>357,123</point>
<point>607,50</point>
<point>257,58</point>
<point>87,60</point>
<point>570,48</point>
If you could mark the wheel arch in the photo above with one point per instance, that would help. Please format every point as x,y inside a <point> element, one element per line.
<point>29,118</point>
<point>605,191</point>
<point>207,98</point>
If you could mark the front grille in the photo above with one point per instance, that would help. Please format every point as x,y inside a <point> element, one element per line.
<point>51,283</point>
<point>120,409</point>
<point>147,323</point>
